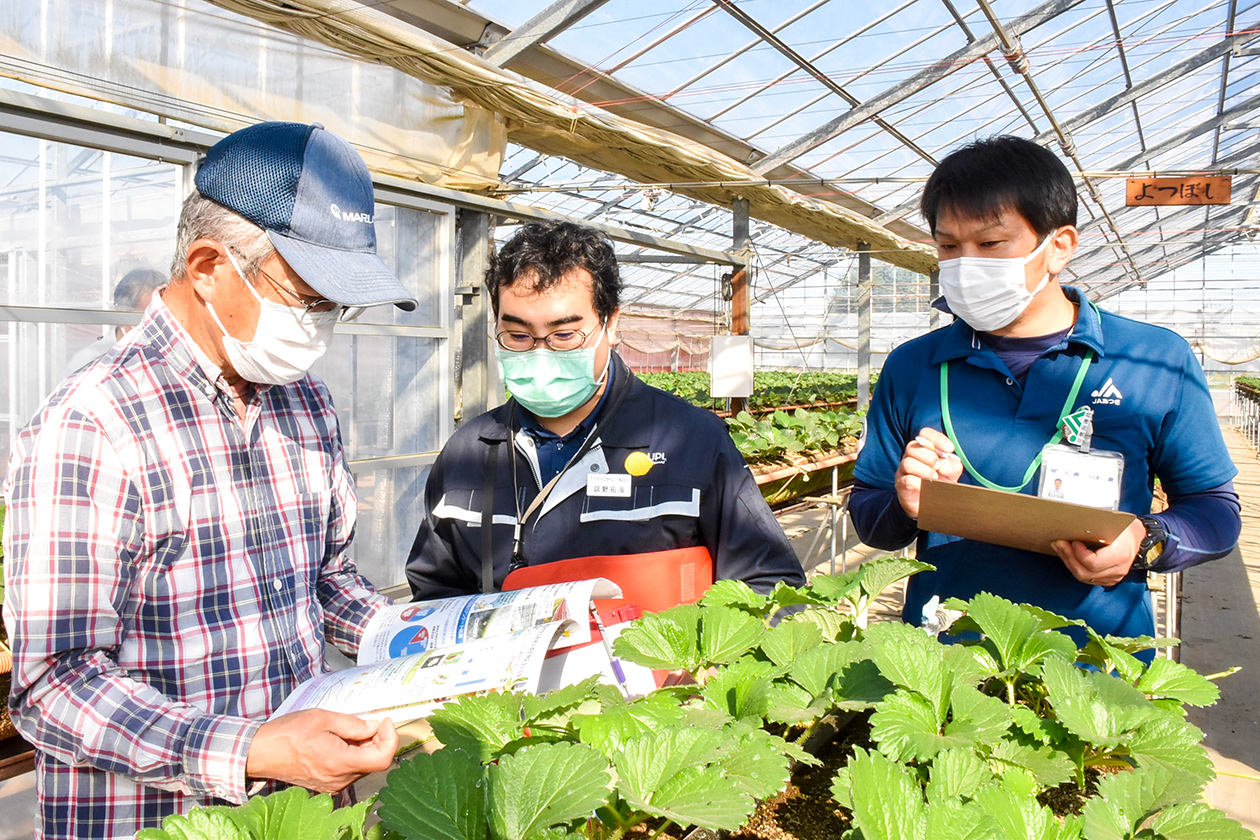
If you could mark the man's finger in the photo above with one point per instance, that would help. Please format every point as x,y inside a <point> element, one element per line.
<point>916,468</point>
<point>349,727</point>
<point>936,440</point>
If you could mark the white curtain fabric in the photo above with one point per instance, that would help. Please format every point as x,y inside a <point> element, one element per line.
<point>197,63</point>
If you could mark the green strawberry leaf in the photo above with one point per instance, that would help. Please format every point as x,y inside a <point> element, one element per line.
<point>1125,800</point>
<point>787,702</point>
<point>1021,635</point>
<point>1050,767</point>
<point>669,639</point>
<point>815,670</point>
<point>199,824</point>
<point>860,685</point>
<point>833,624</point>
<point>556,704</point>
<point>880,574</point>
<point>734,593</point>
<point>784,643</point>
<point>438,796</point>
<point>727,633</point>
<point>1174,744</point>
<point>906,728</point>
<point>1021,817</point>
<point>1097,707</point>
<point>760,763</point>
<point>700,797</point>
<point>546,785</point>
<point>1197,821</point>
<point>742,690</point>
<point>1166,678</point>
<point>784,595</point>
<point>673,774</point>
<point>952,820</point>
<point>1103,653</point>
<point>611,728</point>
<point>977,717</point>
<point>483,725</point>
<point>833,589</point>
<point>956,773</point>
<point>912,659</point>
<point>886,800</point>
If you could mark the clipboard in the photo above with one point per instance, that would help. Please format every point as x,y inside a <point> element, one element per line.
<point>1014,519</point>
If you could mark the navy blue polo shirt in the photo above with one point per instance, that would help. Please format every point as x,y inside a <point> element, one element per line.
<point>1151,404</point>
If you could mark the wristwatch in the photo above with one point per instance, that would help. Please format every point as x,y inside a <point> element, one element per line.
<point>1152,544</point>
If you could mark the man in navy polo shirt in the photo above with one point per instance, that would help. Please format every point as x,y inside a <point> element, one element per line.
<point>977,401</point>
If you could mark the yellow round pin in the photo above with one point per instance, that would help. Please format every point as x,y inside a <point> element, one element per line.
<point>638,463</point>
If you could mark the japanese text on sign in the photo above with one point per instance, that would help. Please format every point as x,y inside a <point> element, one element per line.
<point>1205,189</point>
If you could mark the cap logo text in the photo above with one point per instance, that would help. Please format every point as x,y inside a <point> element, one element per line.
<point>345,216</point>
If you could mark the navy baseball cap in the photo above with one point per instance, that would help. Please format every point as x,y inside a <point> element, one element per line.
<point>312,193</point>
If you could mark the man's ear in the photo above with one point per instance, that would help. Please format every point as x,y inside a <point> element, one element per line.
<point>613,320</point>
<point>1062,246</point>
<point>204,267</point>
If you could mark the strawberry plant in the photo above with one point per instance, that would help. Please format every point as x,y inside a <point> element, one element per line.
<point>965,740</point>
<point>771,388</point>
<point>783,433</point>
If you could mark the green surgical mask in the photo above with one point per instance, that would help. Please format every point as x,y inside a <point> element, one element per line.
<point>551,383</point>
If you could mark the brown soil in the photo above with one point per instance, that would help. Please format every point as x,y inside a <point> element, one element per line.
<point>1068,798</point>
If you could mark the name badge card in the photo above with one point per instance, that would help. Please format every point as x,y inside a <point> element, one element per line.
<point>1085,478</point>
<point>611,485</point>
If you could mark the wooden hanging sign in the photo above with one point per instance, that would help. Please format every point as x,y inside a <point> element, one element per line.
<point>1158,192</point>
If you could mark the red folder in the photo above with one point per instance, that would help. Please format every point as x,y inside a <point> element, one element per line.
<point>652,581</point>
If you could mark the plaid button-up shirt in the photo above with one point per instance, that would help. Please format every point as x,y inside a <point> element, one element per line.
<point>171,573</point>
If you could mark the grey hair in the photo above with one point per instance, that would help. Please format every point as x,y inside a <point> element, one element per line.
<point>202,218</point>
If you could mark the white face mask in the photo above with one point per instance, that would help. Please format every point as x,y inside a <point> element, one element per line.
<point>989,292</point>
<point>287,340</point>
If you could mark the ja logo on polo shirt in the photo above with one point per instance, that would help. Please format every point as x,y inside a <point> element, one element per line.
<point>1108,394</point>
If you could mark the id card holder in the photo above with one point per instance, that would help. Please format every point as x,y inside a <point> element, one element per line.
<point>1090,478</point>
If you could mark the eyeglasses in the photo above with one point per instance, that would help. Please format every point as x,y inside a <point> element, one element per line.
<point>314,303</point>
<point>518,341</point>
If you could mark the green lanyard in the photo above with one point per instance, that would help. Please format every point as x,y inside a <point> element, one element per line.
<point>1036,463</point>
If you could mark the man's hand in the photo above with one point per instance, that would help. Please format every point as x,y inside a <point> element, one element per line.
<point>1106,566</point>
<point>930,455</point>
<point>320,751</point>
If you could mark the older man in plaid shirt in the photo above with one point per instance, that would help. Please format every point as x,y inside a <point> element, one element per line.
<point>180,511</point>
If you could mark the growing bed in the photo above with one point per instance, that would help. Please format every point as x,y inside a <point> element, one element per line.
<point>808,726</point>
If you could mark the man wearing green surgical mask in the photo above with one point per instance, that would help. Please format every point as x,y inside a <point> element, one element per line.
<point>584,459</point>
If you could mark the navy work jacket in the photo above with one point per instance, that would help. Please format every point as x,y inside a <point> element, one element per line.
<point>698,491</point>
<point>1151,404</point>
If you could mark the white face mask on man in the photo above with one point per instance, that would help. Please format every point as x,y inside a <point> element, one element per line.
<point>287,342</point>
<point>989,292</point>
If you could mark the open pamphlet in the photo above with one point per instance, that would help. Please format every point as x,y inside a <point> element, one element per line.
<point>414,657</point>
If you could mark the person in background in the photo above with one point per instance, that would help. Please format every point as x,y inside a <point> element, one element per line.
<point>132,294</point>
<point>977,401</point>
<point>584,459</point>
<point>180,511</point>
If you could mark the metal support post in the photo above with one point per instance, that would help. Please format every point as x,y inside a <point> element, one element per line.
<point>864,327</point>
<point>935,316</point>
<point>472,367</point>
<point>740,245</point>
<point>835,489</point>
